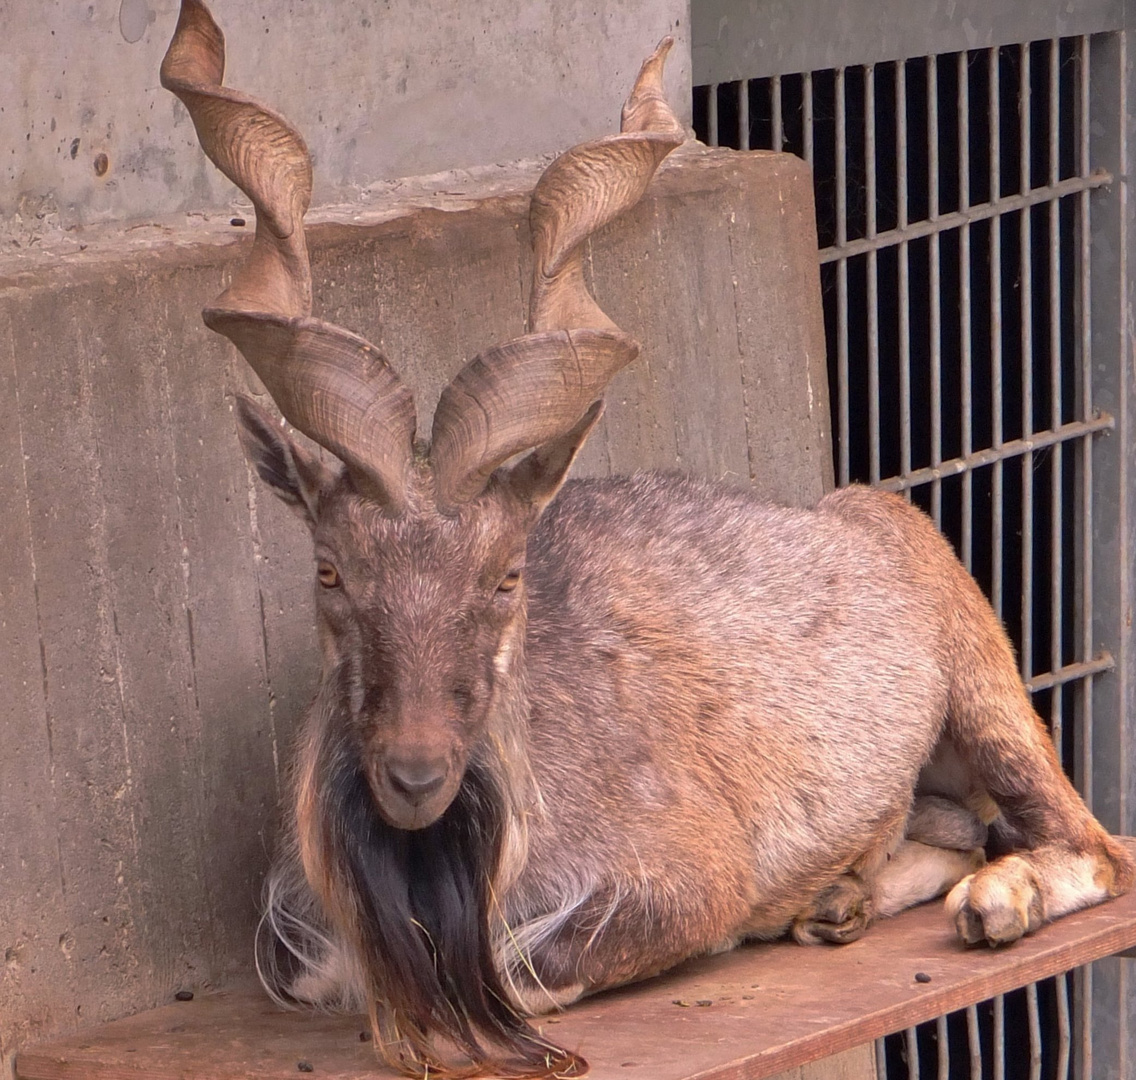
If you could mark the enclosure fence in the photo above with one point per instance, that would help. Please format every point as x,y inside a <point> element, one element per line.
<point>971,213</point>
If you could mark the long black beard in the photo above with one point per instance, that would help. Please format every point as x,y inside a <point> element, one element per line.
<point>423,903</point>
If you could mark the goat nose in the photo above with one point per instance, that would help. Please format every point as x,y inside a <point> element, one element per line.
<point>416,780</point>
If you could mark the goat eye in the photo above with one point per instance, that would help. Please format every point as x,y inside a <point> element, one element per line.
<point>327,574</point>
<point>510,581</point>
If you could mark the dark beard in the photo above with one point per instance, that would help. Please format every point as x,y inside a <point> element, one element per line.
<point>422,899</point>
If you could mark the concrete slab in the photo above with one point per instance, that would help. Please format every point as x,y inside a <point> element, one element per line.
<point>401,88</point>
<point>155,619</point>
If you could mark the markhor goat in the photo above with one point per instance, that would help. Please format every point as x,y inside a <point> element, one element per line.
<point>566,738</point>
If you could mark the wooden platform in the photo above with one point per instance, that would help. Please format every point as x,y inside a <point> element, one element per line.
<point>740,1016</point>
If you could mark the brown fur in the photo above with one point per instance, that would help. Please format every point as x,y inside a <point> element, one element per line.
<point>563,745</point>
<point>713,714</point>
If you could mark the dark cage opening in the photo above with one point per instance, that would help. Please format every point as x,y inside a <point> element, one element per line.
<point>952,196</point>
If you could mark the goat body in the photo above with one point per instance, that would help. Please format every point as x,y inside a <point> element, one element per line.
<point>567,738</point>
<point>720,711</point>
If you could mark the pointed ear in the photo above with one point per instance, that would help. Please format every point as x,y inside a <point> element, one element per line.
<point>537,478</point>
<point>294,474</point>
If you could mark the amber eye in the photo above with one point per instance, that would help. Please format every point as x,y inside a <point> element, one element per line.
<point>327,574</point>
<point>510,581</point>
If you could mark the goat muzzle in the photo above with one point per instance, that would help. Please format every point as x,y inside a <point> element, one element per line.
<point>413,791</point>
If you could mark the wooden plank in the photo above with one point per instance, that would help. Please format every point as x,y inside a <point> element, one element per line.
<point>743,1015</point>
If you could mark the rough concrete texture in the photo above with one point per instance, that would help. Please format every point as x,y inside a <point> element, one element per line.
<point>156,644</point>
<point>398,88</point>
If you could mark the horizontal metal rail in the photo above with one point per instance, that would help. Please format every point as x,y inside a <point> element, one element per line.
<point>1103,661</point>
<point>1012,449</point>
<point>957,218</point>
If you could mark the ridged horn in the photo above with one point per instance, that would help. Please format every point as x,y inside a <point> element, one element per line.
<point>522,394</point>
<point>332,385</point>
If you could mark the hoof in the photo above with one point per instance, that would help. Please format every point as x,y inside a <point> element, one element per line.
<point>998,904</point>
<point>839,914</point>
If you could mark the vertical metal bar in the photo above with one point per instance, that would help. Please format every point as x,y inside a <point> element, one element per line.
<point>1056,488</point>
<point>1086,1021</point>
<point>1083,978</point>
<point>936,299</point>
<point>1083,981</point>
<point>808,109</point>
<point>743,116</point>
<point>904,273</point>
<point>911,1042</point>
<point>1087,614</point>
<point>873,275</point>
<point>999,1025</point>
<point>1034,1032</point>
<point>973,1043</point>
<point>944,1046</point>
<point>842,275</point>
<point>997,537</point>
<point>1061,985</point>
<point>778,123</point>
<point>881,1060</point>
<point>965,387</point>
<point>712,115</point>
<point>1025,269</point>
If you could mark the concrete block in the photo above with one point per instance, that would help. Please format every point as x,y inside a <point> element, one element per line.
<point>156,640</point>
<point>402,88</point>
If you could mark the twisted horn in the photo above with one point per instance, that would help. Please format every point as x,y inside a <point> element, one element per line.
<point>332,385</point>
<point>523,394</point>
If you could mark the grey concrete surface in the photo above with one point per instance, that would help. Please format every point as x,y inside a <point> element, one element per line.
<point>156,641</point>
<point>758,38</point>
<point>380,90</point>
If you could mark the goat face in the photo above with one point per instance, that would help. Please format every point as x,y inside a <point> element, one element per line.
<point>421,617</point>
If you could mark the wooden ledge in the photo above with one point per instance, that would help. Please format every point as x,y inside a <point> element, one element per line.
<point>743,1015</point>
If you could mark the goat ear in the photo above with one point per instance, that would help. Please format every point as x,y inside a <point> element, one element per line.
<point>537,478</point>
<point>292,472</point>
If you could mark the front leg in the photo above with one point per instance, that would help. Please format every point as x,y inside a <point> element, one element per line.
<point>615,934</point>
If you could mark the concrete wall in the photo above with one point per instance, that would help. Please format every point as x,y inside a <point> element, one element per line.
<point>156,645</point>
<point>380,90</point>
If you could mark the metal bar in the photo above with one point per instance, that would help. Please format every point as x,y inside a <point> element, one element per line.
<point>965,387</point>
<point>1056,464</point>
<point>1061,985</point>
<point>911,1042</point>
<point>808,118</point>
<point>1084,281</point>
<point>1075,185</point>
<point>936,287</point>
<point>743,115</point>
<point>1025,293</point>
<point>902,196</point>
<point>1086,1021</point>
<point>974,1045</point>
<point>873,276</point>
<point>997,524</point>
<point>842,276</point>
<point>881,1059</point>
<point>943,1041</point>
<point>1012,449</point>
<point>1103,661</point>
<point>778,122</point>
<point>712,115</point>
<point>1083,982</point>
<point>1034,1032</point>
<point>999,1025</point>
<point>1087,569</point>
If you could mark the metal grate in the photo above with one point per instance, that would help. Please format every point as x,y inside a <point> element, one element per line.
<point>953,203</point>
